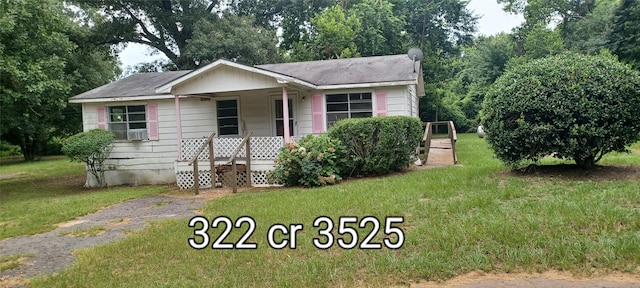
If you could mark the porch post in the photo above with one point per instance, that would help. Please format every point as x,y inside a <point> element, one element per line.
<point>285,113</point>
<point>178,127</point>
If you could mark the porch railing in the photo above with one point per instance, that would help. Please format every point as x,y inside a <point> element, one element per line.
<point>194,161</point>
<point>246,144</point>
<point>262,152</point>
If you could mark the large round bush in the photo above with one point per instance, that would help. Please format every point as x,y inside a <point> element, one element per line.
<point>569,106</point>
<point>378,145</point>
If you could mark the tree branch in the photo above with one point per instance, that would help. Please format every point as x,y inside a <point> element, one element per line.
<point>154,41</point>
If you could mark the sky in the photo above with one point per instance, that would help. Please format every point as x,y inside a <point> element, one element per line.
<point>493,20</point>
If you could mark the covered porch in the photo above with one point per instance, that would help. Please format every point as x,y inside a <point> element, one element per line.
<point>224,102</point>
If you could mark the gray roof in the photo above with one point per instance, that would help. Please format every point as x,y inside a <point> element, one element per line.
<point>375,69</point>
<point>142,84</point>
<point>349,71</point>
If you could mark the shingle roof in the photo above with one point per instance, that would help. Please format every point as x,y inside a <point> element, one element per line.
<point>377,69</point>
<point>349,71</point>
<point>142,84</point>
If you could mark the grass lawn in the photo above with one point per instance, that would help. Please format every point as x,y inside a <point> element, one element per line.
<point>475,216</point>
<point>37,195</point>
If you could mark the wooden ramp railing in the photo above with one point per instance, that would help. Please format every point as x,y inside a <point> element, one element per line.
<point>430,143</point>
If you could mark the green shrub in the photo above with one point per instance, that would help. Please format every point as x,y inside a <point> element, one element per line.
<point>314,161</point>
<point>53,147</point>
<point>378,145</point>
<point>8,150</point>
<point>570,106</point>
<point>91,147</point>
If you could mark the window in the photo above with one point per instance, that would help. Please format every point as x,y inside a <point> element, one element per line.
<point>348,105</point>
<point>280,118</point>
<point>227,117</point>
<point>122,119</point>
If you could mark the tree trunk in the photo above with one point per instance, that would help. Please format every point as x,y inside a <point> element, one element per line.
<point>29,148</point>
<point>586,162</point>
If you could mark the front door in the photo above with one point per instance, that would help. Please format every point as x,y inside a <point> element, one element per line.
<point>279,117</point>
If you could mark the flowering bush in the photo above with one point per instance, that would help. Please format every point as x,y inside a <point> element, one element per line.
<point>314,161</point>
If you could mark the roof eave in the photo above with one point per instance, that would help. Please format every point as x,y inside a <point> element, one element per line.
<point>367,85</point>
<point>122,99</point>
<point>167,88</point>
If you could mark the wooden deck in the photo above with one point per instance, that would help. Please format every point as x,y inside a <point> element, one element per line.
<point>440,149</point>
<point>440,153</point>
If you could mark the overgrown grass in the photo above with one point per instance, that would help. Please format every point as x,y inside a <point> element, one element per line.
<point>477,216</point>
<point>34,196</point>
<point>11,262</point>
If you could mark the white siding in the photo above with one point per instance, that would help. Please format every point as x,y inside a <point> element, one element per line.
<point>153,162</point>
<point>397,104</point>
<point>224,79</point>
<point>140,162</point>
<point>198,117</point>
<point>396,101</point>
<point>413,100</point>
<point>304,113</point>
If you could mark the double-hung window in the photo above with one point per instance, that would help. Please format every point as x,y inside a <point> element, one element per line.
<point>348,105</point>
<point>123,119</point>
<point>227,117</point>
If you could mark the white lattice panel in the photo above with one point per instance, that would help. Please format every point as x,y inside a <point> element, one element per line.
<point>223,147</point>
<point>260,178</point>
<point>265,148</point>
<point>191,146</point>
<point>262,148</point>
<point>185,180</point>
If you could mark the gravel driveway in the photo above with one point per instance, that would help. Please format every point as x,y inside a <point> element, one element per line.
<point>52,251</point>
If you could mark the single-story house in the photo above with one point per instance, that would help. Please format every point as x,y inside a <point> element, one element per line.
<point>161,119</point>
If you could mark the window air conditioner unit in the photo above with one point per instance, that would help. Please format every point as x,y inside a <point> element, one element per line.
<point>137,134</point>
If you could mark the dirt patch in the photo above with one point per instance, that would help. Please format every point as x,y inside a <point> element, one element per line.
<point>119,222</point>
<point>74,181</point>
<point>70,223</point>
<point>11,175</point>
<point>10,223</point>
<point>13,282</point>
<point>547,279</point>
<point>573,172</point>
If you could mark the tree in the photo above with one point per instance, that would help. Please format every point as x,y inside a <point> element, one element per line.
<point>232,37</point>
<point>332,36</point>
<point>33,49</point>
<point>590,34</point>
<point>442,26</point>
<point>88,66</point>
<point>165,25</point>
<point>626,28</point>
<point>382,32</point>
<point>544,12</point>
<point>292,16</point>
<point>93,148</point>
<point>485,61</point>
<point>541,42</point>
<point>569,106</point>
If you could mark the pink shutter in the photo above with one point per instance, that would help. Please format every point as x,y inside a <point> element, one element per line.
<point>317,111</point>
<point>152,121</point>
<point>381,103</point>
<point>102,117</point>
